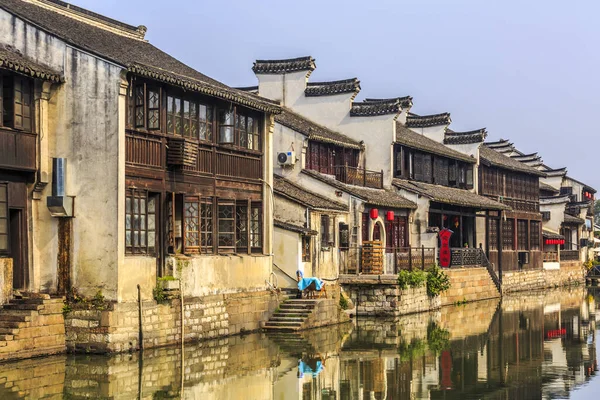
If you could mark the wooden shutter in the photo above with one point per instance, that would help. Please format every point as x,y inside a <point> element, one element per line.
<point>418,166</point>
<point>427,168</point>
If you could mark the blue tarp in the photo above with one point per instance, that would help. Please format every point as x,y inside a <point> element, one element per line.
<point>305,282</point>
<point>304,368</point>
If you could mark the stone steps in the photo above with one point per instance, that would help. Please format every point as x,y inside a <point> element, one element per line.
<point>291,315</point>
<point>31,326</point>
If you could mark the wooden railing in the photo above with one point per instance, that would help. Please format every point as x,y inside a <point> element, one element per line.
<point>18,150</point>
<point>569,255</point>
<point>521,205</point>
<point>237,165</point>
<point>550,256</point>
<point>401,258</point>
<point>466,257</point>
<point>359,176</point>
<point>155,151</point>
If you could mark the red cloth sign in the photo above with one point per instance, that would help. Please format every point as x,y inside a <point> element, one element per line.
<point>445,256</point>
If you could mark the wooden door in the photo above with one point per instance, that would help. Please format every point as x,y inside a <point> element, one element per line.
<point>17,248</point>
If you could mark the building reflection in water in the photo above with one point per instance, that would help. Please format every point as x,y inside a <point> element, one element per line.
<point>538,345</point>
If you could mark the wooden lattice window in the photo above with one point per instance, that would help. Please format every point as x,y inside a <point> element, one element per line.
<point>305,248</point>
<point>4,218</point>
<point>256,231</point>
<point>365,226</point>
<point>16,101</point>
<point>205,118</point>
<point>174,117</point>
<point>522,234</point>
<point>493,234</point>
<point>139,105</point>
<point>440,171</point>
<point>427,168</point>
<point>140,222</point>
<point>191,224</point>
<point>206,226</point>
<point>153,96</point>
<point>226,217</point>
<point>241,227</point>
<point>535,237</point>
<point>325,222</point>
<point>508,231</point>
<point>226,127</point>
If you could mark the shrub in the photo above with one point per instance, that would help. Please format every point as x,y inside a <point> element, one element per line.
<point>413,279</point>
<point>343,302</point>
<point>437,281</point>
<point>159,294</point>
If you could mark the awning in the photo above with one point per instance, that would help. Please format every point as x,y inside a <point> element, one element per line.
<point>16,62</point>
<point>294,228</point>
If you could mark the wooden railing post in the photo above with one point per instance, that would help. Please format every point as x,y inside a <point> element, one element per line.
<point>410,258</point>
<point>422,257</point>
<point>381,178</point>
<point>395,260</point>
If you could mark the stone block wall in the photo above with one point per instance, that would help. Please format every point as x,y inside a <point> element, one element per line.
<point>469,284</point>
<point>383,297</point>
<point>569,273</point>
<point>118,328</point>
<point>326,312</point>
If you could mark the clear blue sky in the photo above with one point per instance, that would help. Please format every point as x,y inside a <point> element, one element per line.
<point>526,70</point>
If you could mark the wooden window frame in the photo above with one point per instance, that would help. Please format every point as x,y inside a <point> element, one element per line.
<point>149,110</point>
<point>17,111</point>
<point>207,123</point>
<point>324,231</point>
<point>132,197</point>
<point>306,248</point>
<point>508,235</point>
<point>535,236</point>
<point>4,220</point>
<point>522,234</point>
<point>242,225</point>
<point>191,224</point>
<point>207,225</point>
<point>230,233</point>
<point>255,227</point>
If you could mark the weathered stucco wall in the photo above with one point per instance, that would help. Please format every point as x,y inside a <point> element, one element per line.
<point>208,275</point>
<point>83,128</point>
<point>287,255</point>
<point>6,279</point>
<point>136,271</point>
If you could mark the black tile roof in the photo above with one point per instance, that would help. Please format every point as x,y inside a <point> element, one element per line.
<point>493,158</point>
<point>527,157</point>
<point>551,235</point>
<point>405,101</point>
<point>555,172</point>
<point>570,219</point>
<point>468,137</point>
<point>373,108</point>
<point>330,88</point>
<point>409,138</point>
<point>548,200</point>
<point>447,195</point>
<point>376,197</point>
<point>13,60</point>
<point>283,66</point>
<point>313,130</point>
<point>499,144</point>
<point>251,89</point>
<point>423,121</point>
<point>294,228</point>
<point>294,192</point>
<point>548,188</point>
<point>136,55</point>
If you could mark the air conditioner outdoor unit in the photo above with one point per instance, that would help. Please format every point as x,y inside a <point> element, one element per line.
<point>523,257</point>
<point>287,158</point>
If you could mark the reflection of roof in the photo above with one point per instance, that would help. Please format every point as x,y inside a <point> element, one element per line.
<point>443,194</point>
<point>548,188</point>
<point>570,219</point>
<point>417,141</point>
<point>12,59</point>
<point>292,191</point>
<point>332,87</point>
<point>313,130</point>
<point>377,197</point>
<point>293,228</point>
<point>423,121</point>
<point>280,66</point>
<point>493,158</point>
<point>127,50</point>
<point>551,235</point>
<point>470,137</point>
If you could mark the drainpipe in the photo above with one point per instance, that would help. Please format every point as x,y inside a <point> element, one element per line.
<point>141,330</point>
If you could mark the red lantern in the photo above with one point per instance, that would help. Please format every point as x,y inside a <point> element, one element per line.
<point>389,216</point>
<point>374,213</point>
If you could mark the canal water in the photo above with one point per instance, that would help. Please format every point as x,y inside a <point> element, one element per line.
<point>529,346</point>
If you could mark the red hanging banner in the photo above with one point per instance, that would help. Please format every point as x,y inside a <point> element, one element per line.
<point>445,256</point>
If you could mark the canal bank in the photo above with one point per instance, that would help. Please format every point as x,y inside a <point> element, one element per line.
<point>533,345</point>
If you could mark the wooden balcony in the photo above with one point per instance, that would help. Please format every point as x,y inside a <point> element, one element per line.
<point>359,176</point>
<point>18,150</point>
<point>521,205</point>
<point>191,157</point>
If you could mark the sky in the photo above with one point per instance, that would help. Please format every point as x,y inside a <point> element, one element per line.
<point>525,70</point>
